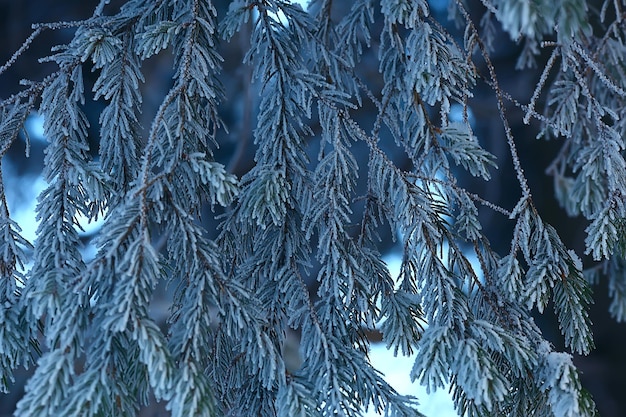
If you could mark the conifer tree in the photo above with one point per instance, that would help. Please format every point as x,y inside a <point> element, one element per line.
<point>296,249</point>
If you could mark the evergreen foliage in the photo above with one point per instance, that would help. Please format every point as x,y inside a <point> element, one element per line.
<point>84,325</point>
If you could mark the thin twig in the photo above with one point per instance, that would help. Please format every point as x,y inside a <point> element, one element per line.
<point>21,50</point>
<point>500,101</point>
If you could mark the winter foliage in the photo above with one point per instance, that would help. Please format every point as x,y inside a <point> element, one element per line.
<point>296,217</point>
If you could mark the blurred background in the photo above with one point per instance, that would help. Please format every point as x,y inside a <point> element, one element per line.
<point>603,372</point>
